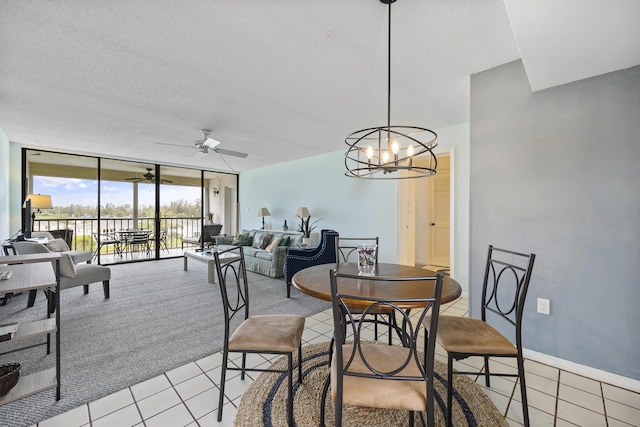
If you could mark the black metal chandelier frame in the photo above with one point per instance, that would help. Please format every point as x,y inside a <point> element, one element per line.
<point>391,152</point>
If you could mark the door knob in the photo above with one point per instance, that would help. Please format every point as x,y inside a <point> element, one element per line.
<point>433,224</point>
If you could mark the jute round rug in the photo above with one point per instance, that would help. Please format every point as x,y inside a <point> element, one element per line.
<point>264,403</point>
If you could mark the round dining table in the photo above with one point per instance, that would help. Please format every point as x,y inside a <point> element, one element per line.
<point>315,281</point>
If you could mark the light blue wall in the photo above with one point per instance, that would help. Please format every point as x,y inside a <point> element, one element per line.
<point>353,207</point>
<point>556,173</point>
<point>5,171</point>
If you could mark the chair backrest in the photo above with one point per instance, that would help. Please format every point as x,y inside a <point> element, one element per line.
<point>234,289</point>
<point>210,231</point>
<point>342,305</point>
<point>325,253</point>
<point>349,245</point>
<point>504,290</point>
<point>26,248</point>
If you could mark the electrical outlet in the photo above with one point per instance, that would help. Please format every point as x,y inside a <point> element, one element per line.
<point>544,306</point>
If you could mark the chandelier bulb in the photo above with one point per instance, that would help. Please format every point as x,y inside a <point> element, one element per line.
<point>410,151</point>
<point>394,146</point>
<point>385,156</point>
<point>369,153</point>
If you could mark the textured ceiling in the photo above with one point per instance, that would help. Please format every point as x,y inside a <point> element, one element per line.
<point>278,79</point>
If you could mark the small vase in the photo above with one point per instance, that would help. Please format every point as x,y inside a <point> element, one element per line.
<point>367,260</point>
<point>285,227</point>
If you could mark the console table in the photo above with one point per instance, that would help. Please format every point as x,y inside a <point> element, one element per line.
<point>34,272</point>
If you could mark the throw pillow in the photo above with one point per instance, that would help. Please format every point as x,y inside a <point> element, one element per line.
<point>67,268</point>
<point>261,240</point>
<point>274,244</point>
<point>236,241</point>
<point>285,241</point>
<point>57,245</point>
<point>244,241</point>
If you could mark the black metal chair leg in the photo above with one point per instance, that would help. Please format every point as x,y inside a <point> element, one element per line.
<point>290,397</point>
<point>105,288</point>
<point>300,363</point>
<point>487,374</point>
<point>523,392</point>
<point>244,365</point>
<point>323,400</point>
<point>450,391</point>
<point>86,289</point>
<point>223,377</point>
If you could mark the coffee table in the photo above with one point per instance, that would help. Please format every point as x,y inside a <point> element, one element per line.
<point>207,257</point>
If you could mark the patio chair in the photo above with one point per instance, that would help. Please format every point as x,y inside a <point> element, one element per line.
<point>106,239</point>
<point>269,334</point>
<point>369,374</point>
<point>507,274</point>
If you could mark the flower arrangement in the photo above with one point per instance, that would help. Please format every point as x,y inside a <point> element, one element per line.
<point>367,259</point>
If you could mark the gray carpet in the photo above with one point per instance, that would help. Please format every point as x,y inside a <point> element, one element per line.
<point>159,317</point>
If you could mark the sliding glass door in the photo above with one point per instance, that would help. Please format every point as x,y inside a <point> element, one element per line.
<point>127,211</point>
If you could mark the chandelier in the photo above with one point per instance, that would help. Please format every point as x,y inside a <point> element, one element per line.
<point>391,152</point>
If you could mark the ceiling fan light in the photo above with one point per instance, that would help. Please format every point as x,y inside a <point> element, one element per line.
<point>210,143</point>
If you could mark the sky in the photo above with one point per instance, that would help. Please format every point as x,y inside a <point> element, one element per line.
<point>84,192</point>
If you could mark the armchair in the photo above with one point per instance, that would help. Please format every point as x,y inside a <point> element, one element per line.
<point>298,259</point>
<point>71,273</point>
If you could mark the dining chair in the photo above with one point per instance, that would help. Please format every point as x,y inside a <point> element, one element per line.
<point>268,334</point>
<point>403,375</point>
<point>504,290</point>
<point>346,247</point>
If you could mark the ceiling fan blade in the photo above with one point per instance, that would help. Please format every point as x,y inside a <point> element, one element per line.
<point>230,153</point>
<point>174,145</point>
<point>135,179</point>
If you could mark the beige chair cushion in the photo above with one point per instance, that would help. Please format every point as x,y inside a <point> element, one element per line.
<point>268,333</point>
<point>86,274</point>
<point>474,336</point>
<point>375,393</point>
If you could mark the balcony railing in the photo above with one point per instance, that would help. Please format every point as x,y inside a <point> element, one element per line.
<point>84,229</point>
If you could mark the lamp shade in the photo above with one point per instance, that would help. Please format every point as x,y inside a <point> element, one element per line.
<point>303,212</point>
<point>263,212</point>
<point>39,201</point>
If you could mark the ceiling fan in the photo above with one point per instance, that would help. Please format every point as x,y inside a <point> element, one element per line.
<point>207,144</point>
<point>148,177</point>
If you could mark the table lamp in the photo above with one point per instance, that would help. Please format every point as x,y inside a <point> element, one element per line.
<point>38,201</point>
<point>263,212</point>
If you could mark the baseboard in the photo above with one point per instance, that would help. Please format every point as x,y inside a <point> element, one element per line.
<point>586,371</point>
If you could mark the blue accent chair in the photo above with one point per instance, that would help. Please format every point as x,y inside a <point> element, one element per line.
<point>298,259</point>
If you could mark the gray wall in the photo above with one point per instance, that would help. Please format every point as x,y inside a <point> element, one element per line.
<point>557,173</point>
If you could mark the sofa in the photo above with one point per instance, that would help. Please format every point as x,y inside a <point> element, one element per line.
<point>259,257</point>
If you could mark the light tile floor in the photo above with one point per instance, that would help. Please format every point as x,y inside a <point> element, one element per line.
<point>188,396</point>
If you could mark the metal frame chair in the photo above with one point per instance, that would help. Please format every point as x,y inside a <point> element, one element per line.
<point>269,334</point>
<point>397,368</point>
<point>504,290</point>
<point>343,252</point>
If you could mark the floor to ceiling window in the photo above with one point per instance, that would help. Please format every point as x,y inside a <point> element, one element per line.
<point>127,211</point>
